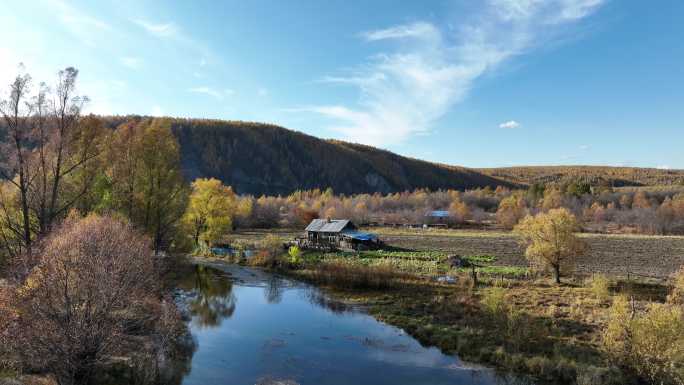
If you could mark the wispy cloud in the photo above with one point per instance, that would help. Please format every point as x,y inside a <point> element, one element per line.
<point>83,26</point>
<point>210,91</point>
<point>663,167</point>
<point>584,147</point>
<point>403,92</point>
<point>509,124</point>
<point>131,62</point>
<point>420,30</point>
<point>262,91</point>
<point>157,29</point>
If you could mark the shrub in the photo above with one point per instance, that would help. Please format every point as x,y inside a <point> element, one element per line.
<point>95,280</point>
<point>677,294</point>
<point>295,255</point>
<point>493,300</point>
<point>270,253</point>
<point>600,287</point>
<point>650,344</point>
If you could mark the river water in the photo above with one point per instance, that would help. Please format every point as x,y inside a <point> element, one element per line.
<point>252,327</point>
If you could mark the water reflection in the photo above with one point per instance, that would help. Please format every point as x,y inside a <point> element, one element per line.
<point>290,333</point>
<point>273,291</point>
<point>210,297</point>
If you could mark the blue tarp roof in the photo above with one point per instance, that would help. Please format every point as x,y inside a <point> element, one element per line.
<point>437,213</point>
<point>360,235</point>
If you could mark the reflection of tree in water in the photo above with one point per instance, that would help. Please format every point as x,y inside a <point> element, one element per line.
<point>273,291</point>
<point>321,300</point>
<point>214,300</point>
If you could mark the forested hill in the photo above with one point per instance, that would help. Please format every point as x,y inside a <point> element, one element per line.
<point>259,159</point>
<point>615,176</point>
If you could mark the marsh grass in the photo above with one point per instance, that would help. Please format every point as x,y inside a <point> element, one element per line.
<point>346,275</point>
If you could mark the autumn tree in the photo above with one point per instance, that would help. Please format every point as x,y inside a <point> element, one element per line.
<point>550,240</point>
<point>641,201</point>
<point>210,210</point>
<point>511,210</point>
<point>553,199</point>
<point>459,210</point>
<point>161,193</point>
<point>145,179</point>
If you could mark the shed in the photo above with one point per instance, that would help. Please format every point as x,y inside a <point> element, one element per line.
<point>337,233</point>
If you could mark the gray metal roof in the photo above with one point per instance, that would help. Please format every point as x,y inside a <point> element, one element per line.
<point>328,225</point>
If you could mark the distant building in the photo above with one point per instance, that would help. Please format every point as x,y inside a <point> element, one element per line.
<point>337,234</point>
<point>438,214</point>
<point>437,218</point>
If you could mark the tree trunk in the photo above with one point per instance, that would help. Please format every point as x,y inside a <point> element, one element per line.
<point>556,274</point>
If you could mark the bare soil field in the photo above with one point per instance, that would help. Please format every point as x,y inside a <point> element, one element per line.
<point>622,255</point>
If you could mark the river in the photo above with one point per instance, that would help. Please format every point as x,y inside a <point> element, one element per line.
<point>253,327</point>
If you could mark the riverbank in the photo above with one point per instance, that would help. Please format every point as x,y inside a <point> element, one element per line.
<point>527,326</point>
<point>552,333</point>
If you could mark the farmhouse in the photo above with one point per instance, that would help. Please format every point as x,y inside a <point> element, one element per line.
<point>337,234</point>
<point>437,218</point>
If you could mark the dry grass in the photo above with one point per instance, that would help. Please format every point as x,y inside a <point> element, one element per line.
<point>345,275</point>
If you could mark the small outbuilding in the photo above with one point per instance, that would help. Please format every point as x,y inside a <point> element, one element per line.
<point>333,234</point>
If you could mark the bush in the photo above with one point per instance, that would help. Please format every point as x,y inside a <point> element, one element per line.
<point>270,254</point>
<point>295,255</point>
<point>493,301</point>
<point>600,287</point>
<point>94,282</point>
<point>650,344</point>
<point>677,294</point>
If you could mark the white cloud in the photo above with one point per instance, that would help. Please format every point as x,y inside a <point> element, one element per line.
<point>207,91</point>
<point>157,29</point>
<point>262,91</point>
<point>83,26</point>
<point>403,92</point>
<point>663,167</point>
<point>420,30</point>
<point>131,62</point>
<point>584,147</point>
<point>509,124</point>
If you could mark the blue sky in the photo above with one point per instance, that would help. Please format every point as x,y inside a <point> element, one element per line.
<point>474,83</point>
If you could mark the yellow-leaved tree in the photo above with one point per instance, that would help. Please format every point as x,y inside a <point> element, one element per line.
<point>550,240</point>
<point>210,211</point>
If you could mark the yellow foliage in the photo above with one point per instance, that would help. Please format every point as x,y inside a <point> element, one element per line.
<point>651,343</point>
<point>211,209</point>
<point>511,210</point>
<point>550,240</point>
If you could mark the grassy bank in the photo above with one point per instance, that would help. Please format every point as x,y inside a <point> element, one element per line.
<point>514,322</point>
<point>504,315</point>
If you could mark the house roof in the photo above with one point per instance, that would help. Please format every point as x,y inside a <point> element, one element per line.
<point>437,213</point>
<point>327,225</point>
<point>360,235</point>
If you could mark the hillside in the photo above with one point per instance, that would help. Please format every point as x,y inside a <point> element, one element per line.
<point>259,158</point>
<point>615,176</point>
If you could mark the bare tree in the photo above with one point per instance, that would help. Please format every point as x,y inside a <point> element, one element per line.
<point>46,143</point>
<point>15,152</point>
<point>95,280</point>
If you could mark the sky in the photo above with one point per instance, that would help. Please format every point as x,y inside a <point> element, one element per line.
<point>487,83</point>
